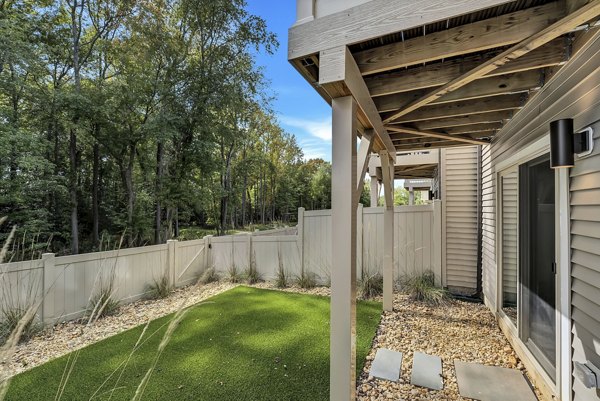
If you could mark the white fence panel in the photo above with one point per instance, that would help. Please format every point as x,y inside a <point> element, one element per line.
<point>21,284</point>
<point>271,252</point>
<point>69,282</point>
<point>317,242</point>
<point>74,280</point>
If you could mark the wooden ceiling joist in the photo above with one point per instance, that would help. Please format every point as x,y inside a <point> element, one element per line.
<point>447,110</point>
<point>469,129</point>
<point>431,134</point>
<point>493,86</point>
<point>470,38</point>
<point>481,118</point>
<point>564,25</point>
<point>438,74</point>
<point>428,145</point>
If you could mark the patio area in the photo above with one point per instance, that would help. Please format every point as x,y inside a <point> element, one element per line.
<point>463,331</point>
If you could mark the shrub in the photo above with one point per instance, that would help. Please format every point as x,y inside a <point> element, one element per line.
<point>161,288</point>
<point>371,285</point>
<point>209,276</point>
<point>307,280</point>
<point>421,287</point>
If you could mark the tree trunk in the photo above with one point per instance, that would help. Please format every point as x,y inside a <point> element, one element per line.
<point>75,35</point>
<point>159,174</point>
<point>73,192</point>
<point>95,196</point>
<point>127,177</point>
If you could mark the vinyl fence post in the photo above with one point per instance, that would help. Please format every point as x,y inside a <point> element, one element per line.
<point>359,241</point>
<point>249,242</point>
<point>48,288</point>
<point>301,237</point>
<point>172,260</point>
<point>437,241</point>
<point>207,252</point>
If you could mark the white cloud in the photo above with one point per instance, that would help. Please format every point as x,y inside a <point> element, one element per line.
<point>317,128</point>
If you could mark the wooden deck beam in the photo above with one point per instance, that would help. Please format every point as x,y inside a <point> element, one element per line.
<point>564,25</point>
<point>431,134</point>
<point>491,33</point>
<point>497,103</point>
<point>438,74</point>
<point>487,87</point>
<point>339,76</point>
<point>482,118</point>
<point>374,19</point>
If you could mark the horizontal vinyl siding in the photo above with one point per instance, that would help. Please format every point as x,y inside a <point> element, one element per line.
<point>585,259</point>
<point>574,92</point>
<point>460,192</point>
<point>488,245</point>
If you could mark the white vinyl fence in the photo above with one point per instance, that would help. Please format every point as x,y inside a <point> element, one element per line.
<point>64,285</point>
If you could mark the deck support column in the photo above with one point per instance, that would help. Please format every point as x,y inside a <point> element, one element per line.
<point>387,168</point>
<point>374,159</point>
<point>343,269</point>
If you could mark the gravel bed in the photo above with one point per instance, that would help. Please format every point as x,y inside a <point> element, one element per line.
<point>63,338</point>
<point>461,330</point>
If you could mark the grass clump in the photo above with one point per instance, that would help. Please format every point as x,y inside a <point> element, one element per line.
<point>252,276</point>
<point>282,280</point>
<point>421,288</point>
<point>245,333</point>
<point>12,319</point>
<point>160,288</point>
<point>209,276</point>
<point>307,280</point>
<point>234,275</point>
<point>371,285</point>
<point>103,302</point>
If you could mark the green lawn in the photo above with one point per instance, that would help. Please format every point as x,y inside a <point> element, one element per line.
<point>244,344</point>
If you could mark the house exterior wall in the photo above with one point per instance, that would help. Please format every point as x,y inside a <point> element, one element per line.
<point>460,192</point>
<point>574,92</point>
<point>585,259</point>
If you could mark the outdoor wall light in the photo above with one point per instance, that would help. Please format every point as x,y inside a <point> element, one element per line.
<point>564,144</point>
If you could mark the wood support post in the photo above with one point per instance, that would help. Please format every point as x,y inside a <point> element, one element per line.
<point>362,161</point>
<point>343,274</point>
<point>387,167</point>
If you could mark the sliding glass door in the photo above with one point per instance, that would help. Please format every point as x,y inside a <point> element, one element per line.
<point>537,261</point>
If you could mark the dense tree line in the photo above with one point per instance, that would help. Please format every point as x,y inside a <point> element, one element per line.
<point>135,117</point>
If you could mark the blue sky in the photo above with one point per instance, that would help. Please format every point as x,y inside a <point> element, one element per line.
<point>299,108</point>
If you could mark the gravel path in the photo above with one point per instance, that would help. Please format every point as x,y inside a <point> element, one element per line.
<point>461,330</point>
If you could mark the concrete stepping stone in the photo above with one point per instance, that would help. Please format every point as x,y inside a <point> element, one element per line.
<point>387,365</point>
<point>427,371</point>
<point>492,383</point>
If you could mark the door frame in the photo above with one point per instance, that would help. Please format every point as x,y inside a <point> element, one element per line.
<point>561,387</point>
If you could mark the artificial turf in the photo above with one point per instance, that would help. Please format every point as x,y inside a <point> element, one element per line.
<point>243,344</point>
